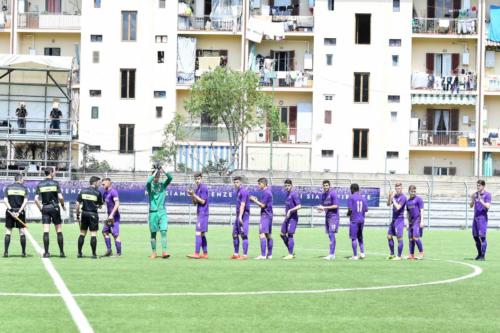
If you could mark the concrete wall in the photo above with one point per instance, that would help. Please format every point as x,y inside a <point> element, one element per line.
<point>38,41</point>
<point>463,161</point>
<point>492,106</point>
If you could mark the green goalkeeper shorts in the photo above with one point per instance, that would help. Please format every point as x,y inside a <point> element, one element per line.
<point>158,221</point>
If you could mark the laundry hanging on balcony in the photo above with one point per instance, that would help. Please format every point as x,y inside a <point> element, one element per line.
<point>186,59</point>
<point>225,15</point>
<point>494,31</point>
<point>487,165</point>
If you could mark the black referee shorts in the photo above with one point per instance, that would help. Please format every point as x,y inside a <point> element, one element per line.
<point>51,214</point>
<point>11,222</point>
<point>89,221</point>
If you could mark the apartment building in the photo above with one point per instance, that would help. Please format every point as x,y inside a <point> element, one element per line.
<point>39,47</point>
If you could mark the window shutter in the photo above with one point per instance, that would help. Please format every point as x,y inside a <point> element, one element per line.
<point>427,170</point>
<point>453,171</point>
<point>291,57</point>
<point>455,62</point>
<point>130,139</point>
<point>123,142</point>
<point>457,4</point>
<point>295,7</point>
<point>430,119</point>
<point>454,120</point>
<point>430,8</point>
<point>429,63</point>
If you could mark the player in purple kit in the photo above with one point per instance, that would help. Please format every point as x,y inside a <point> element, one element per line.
<point>481,201</point>
<point>415,209</point>
<point>398,203</point>
<point>330,205</point>
<point>266,219</point>
<point>240,226</point>
<point>200,199</point>
<point>292,205</point>
<point>112,224</point>
<point>357,206</point>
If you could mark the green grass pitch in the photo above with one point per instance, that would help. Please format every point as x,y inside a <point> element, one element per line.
<point>464,306</point>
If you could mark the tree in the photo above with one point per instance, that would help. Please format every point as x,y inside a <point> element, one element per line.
<point>174,132</point>
<point>230,98</point>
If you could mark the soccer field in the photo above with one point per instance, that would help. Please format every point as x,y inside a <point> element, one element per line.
<point>134,293</point>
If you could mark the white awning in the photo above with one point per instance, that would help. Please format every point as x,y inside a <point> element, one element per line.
<point>35,61</point>
<point>440,99</point>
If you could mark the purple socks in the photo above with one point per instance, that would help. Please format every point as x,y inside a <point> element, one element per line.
<point>107,240</point>
<point>285,240</point>
<point>331,235</point>
<point>263,244</point>
<point>291,244</point>
<point>236,243</point>
<point>197,243</point>
<point>391,246</point>
<point>118,246</point>
<point>269,247</point>
<point>245,246</point>
<point>400,247</point>
<point>354,247</point>
<point>204,244</point>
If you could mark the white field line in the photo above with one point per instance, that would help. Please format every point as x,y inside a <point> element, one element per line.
<point>476,271</point>
<point>79,318</point>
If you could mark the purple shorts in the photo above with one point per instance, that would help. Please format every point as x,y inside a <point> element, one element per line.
<point>241,229</point>
<point>289,226</point>
<point>356,230</point>
<point>331,225</point>
<point>202,223</point>
<point>479,226</point>
<point>266,225</point>
<point>113,229</point>
<point>414,230</point>
<point>396,228</point>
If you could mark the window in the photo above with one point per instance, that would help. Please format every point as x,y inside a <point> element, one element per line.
<point>360,143</point>
<point>95,93</point>
<point>329,59</point>
<point>361,87</point>
<point>328,117</point>
<point>283,60</point>
<point>94,149</point>
<point>327,153</point>
<point>160,94</point>
<point>395,60</point>
<point>395,5</point>
<point>52,51</point>
<point>155,149</point>
<point>96,38</point>
<point>443,8</point>
<point>393,98</point>
<point>126,138</point>
<point>94,112</point>
<point>440,171</point>
<point>161,38</point>
<point>161,3</point>
<point>395,42</point>
<point>161,57</point>
<point>442,64</point>
<point>95,57</point>
<point>363,29</point>
<point>129,25</point>
<point>159,111</point>
<point>328,97</point>
<point>127,83</point>
<point>331,4</point>
<point>330,41</point>
<point>97,3</point>
<point>394,115</point>
<point>392,154</point>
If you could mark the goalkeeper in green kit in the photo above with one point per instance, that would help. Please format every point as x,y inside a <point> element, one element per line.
<point>155,189</point>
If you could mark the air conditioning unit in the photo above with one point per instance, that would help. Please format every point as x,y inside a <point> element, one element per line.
<point>260,136</point>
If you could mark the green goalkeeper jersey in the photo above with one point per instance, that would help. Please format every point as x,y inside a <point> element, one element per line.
<point>156,192</point>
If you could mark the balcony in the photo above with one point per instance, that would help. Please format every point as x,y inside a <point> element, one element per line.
<point>34,130</point>
<point>275,20</point>
<point>454,83</point>
<point>458,139</point>
<point>49,21</point>
<point>493,83</point>
<point>286,79</point>
<point>491,138</point>
<point>224,17</point>
<point>293,135</point>
<point>204,133</point>
<point>445,26</point>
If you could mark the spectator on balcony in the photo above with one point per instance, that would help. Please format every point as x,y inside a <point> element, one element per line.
<point>55,121</point>
<point>21,114</point>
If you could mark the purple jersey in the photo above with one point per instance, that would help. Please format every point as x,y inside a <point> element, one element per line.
<point>398,214</point>
<point>242,196</point>
<point>414,207</point>
<point>267,200</point>
<point>202,193</point>
<point>358,206</point>
<point>330,199</point>
<point>479,209</point>
<point>292,200</point>
<point>109,197</point>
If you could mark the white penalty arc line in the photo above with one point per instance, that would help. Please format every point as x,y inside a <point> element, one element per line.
<point>77,314</point>
<point>476,271</point>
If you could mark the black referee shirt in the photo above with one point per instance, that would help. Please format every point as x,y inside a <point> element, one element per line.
<point>48,190</point>
<point>91,199</point>
<point>16,193</point>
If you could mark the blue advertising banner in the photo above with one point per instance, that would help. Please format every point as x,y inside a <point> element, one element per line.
<point>220,194</point>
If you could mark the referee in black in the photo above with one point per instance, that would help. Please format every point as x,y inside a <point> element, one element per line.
<point>90,200</point>
<point>15,198</point>
<point>49,192</point>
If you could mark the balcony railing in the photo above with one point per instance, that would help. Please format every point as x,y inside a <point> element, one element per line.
<point>35,129</point>
<point>56,21</point>
<point>493,83</point>
<point>291,79</point>
<point>491,137</point>
<point>459,26</point>
<point>206,23</point>
<point>204,133</point>
<point>452,83</point>
<point>293,135</point>
<point>442,138</point>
